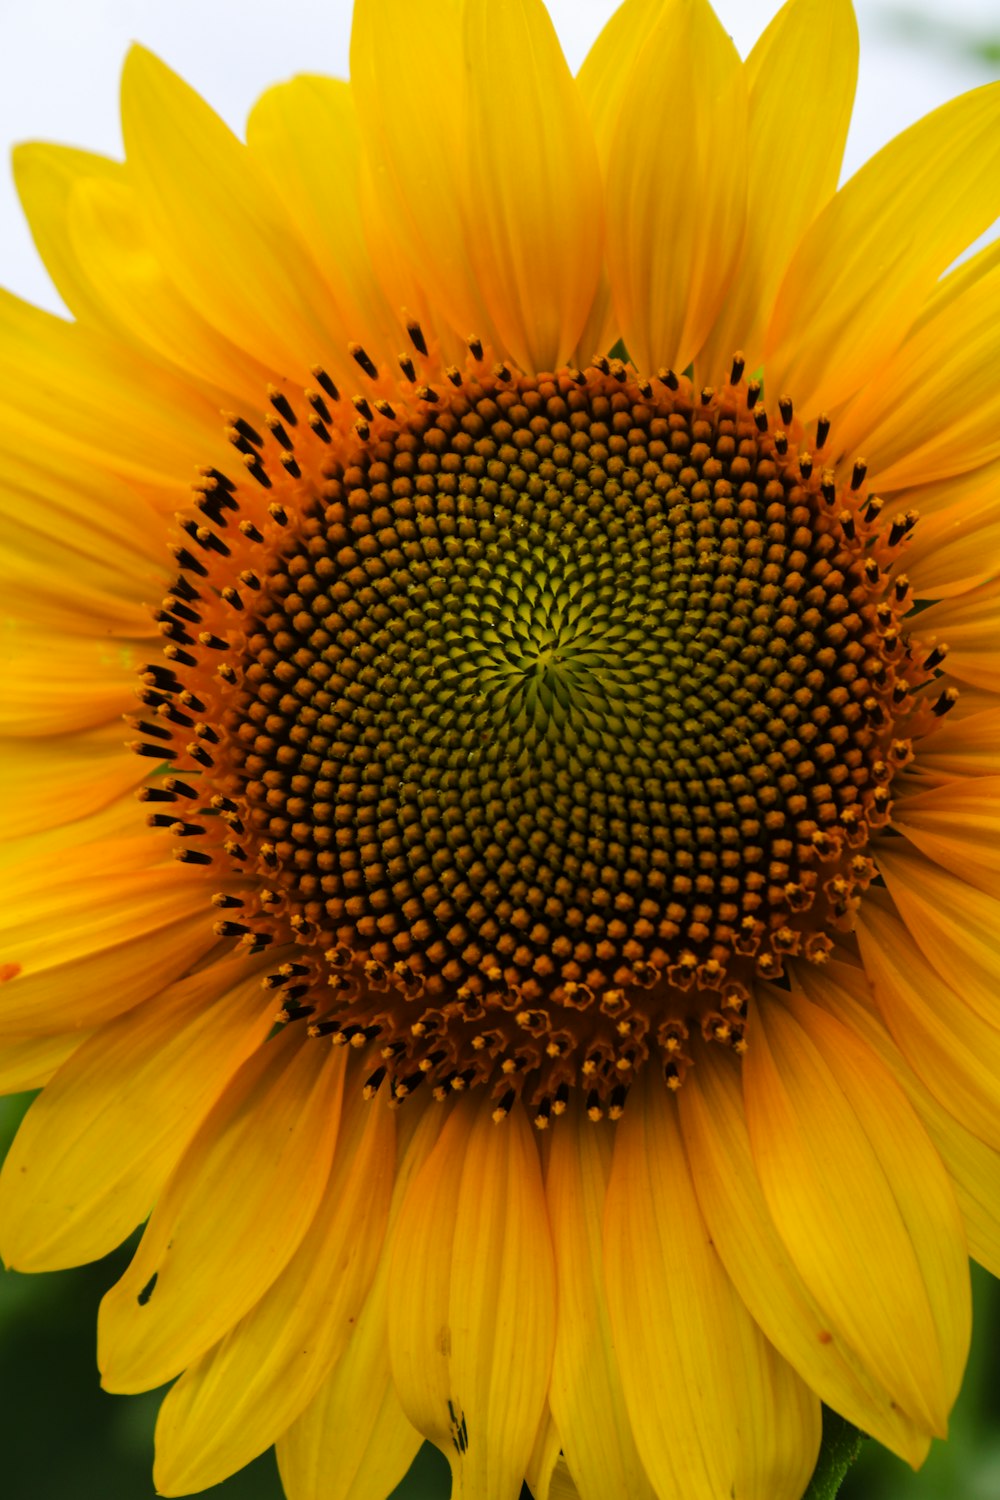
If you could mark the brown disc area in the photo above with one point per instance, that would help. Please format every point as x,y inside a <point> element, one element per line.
<point>557,708</point>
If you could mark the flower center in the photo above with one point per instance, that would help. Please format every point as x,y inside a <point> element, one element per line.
<point>549,713</point>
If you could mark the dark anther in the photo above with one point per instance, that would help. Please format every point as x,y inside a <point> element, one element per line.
<point>872,573</point>
<point>424,393</point>
<point>155,794</point>
<point>454,374</point>
<point>805,465</point>
<point>669,379</point>
<point>362,429</point>
<point>250,433</point>
<point>290,464</point>
<point>847,526</point>
<point>260,474</point>
<point>828,490</point>
<point>230,929</point>
<point>754,388</point>
<point>822,431</point>
<point>602,363</point>
<point>154,752</point>
<point>707,395</point>
<point>361,405</point>
<point>281,403</point>
<point>738,366</point>
<point>408,368</point>
<point>180,788</point>
<point>251,532</point>
<point>858,473</point>
<point>227,902</point>
<point>947,701</point>
<point>935,657</point>
<point>873,507</point>
<point>760,418</point>
<point>186,560</point>
<point>278,513</point>
<point>277,430</point>
<point>781,442</point>
<point>318,373</point>
<point>212,641</point>
<point>475,347</point>
<point>192,857</point>
<point>786,408</point>
<point>363,358</point>
<point>318,405</point>
<point>385,410</point>
<point>319,427</point>
<point>417,339</point>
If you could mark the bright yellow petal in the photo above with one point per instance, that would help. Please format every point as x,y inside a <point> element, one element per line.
<point>729,1417</point>
<point>354,1438</point>
<point>305,134</point>
<point>958,825</point>
<point>534,182</point>
<point>586,1392</point>
<point>97,1145</point>
<point>545,1457</point>
<point>239,1397</point>
<point>231,1216</point>
<point>860,1200</point>
<point>45,176</point>
<point>863,269</point>
<point>221,232</point>
<point>801,77</point>
<point>916,422</point>
<point>953,546</point>
<point>603,82</point>
<point>970,627</point>
<point>743,1232</point>
<point>56,683</point>
<point>28,1062</point>
<point>956,926</point>
<point>682,138</point>
<point>974,1167</point>
<point>119,257</point>
<point>949,1045</point>
<point>472,1300</point>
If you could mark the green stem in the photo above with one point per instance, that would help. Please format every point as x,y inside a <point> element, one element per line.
<point>841,1446</point>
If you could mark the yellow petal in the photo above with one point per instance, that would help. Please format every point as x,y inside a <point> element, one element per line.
<point>96,1147</point>
<point>28,1062</point>
<point>354,1439</point>
<point>586,1392</point>
<point>801,77</point>
<point>472,1300</point>
<point>718,1147</point>
<point>305,134</point>
<point>951,1048</point>
<point>863,269</point>
<point>729,1417</point>
<point>970,626</point>
<point>861,1202</point>
<point>974,1167</point>
<point>958,825</point>
<point>231,1216</point>
<point>683,133</point>
<point>239,1397</point>
<point>967,746</point>
<point>951,549</point>
<point>534,182</point>
<point>115,408</point>
<point>545,1457</point>
<point>407,78</point>
<point>47,782</point>
<point>55,683</point>
<point>45,176</point>
<point>916,423</point>
<point>603,82</point>
<point>120,258</point>
<point>956,926</point>
<point>221,233</point>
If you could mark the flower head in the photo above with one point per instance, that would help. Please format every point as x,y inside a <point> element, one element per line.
<point>536,951</point>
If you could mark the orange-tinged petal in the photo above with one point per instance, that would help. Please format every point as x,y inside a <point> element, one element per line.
<point>586,1392</point>
<point>958,825</point>
<point>956,926</point>
<point>951,550</point>
<point>909,439</point>
<point>472,1300</point>
<point>55,683</point>
<point>972,1166</point>
<point>801,77</point>
<point>231,1216</point>
<point>97,1145</point>
<point>729,1417</point>
<point>970,626</point>
<point>670,267</point>
<point>221,232</point>
<point>949,1045</point>
<point>305,134</point>
<point>353,1438</point>
<point>862,271</point>
<point>861,1202</point>
<point>962,747</point>
<point>718,1147</point>
<point>239,1397</point>
<point>541,1466</point>
<point>534,182</point>
<point>47,782</point>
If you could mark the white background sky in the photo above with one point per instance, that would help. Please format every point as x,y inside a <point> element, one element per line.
<point>60,60</point>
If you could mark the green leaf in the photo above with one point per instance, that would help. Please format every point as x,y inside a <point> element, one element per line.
<point>840,1447</point>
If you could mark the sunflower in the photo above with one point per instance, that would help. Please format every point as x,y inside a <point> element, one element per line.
<point>534,961</point>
